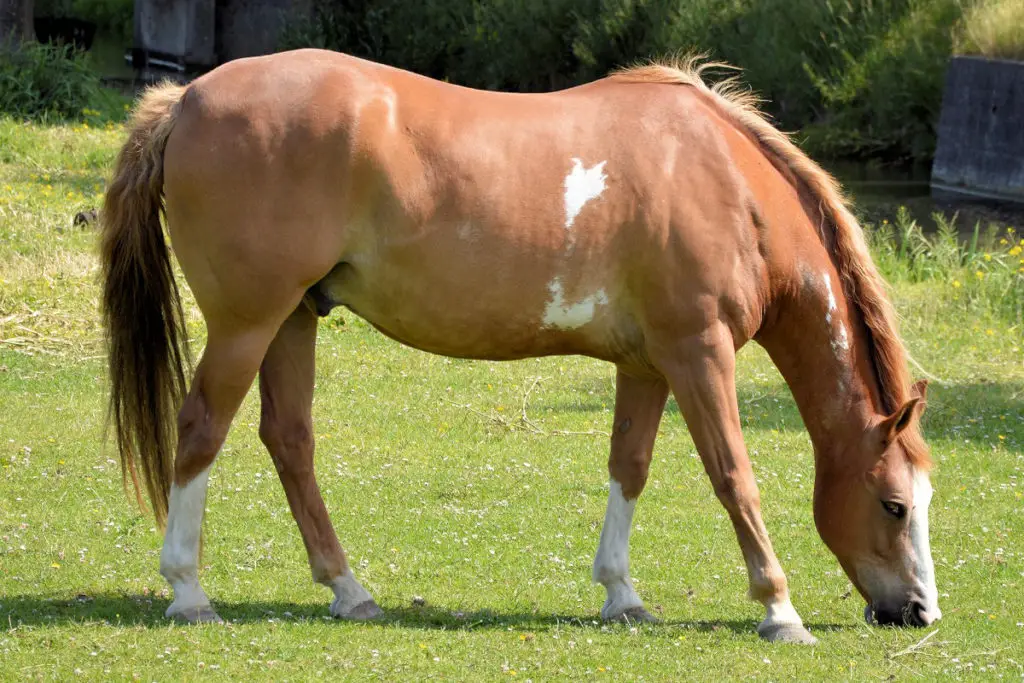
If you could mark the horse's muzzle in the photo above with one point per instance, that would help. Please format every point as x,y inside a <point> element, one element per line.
<point>913,613</point>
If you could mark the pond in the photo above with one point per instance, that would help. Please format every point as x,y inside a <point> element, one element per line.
<point>878,192</point>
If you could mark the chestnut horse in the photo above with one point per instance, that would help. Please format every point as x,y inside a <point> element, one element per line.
<point>645,219</point>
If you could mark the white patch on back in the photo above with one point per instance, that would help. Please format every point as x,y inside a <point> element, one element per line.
<point>582,185</point>
<point>391,102</point>
<point>925,568</point>
<point>568,316</point>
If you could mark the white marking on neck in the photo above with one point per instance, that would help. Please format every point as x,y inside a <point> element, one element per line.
<point>925,568</point>
<point>563,315</point>
<point>581,185</point>
<point>840,340</point>
<point>831,300</point>
<point>843,342</point>
<point>611,564</point>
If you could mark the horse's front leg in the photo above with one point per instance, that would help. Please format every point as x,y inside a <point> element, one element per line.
<point>286,428</point>
<point>700,369</point>
<point>638,407</point>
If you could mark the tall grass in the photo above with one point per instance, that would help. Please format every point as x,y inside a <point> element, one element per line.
<point>982,274</point>
<point>993,28</point>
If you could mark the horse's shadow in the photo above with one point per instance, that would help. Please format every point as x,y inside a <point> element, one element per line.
<point>148,611</point>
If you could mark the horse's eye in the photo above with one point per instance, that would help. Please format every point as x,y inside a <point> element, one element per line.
<point>897,510</point>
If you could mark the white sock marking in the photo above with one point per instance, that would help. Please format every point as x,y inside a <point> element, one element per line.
<point>581,185</point>
<point>348,594</point>
<point>781,612</point>
<point>559,313</point>
<point>611,564</point>
<point>180,555</point>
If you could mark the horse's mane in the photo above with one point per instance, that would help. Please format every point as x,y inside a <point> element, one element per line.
<point>840,233</point>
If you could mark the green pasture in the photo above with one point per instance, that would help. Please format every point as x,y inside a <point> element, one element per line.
<point>470,495</point>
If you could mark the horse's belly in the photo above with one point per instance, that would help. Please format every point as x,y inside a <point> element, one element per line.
<point>473,311</point>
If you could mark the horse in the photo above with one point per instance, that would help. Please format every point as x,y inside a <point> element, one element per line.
<point>648,219</point>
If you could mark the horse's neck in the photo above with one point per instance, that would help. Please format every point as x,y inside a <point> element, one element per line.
<point>816,338</point>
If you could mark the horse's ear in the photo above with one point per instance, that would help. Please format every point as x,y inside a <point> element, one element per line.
<point>890,427</point>
<point>920,389</point>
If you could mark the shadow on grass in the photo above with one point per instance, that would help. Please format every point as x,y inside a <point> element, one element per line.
<point>128,610</point>
<point>956,409</point>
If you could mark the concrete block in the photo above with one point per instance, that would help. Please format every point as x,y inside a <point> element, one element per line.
<point>980,148</point>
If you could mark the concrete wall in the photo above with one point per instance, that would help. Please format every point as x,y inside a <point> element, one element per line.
<point>253,27</point>
<point>181,28</point>
<point>981,130</point>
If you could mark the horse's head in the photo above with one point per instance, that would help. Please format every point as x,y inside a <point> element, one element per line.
<point>871,509</point>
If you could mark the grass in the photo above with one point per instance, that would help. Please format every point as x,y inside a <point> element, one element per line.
<point>439,491</point>
<point>993,28</point>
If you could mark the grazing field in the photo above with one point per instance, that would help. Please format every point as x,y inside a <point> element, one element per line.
<point>470,494</point>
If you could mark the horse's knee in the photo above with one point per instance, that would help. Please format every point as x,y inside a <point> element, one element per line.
<point>290,443</point>
<point>630,468</point>
<point>737,492</point>
<point>199,439</point>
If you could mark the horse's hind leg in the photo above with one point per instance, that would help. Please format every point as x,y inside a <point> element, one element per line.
<point>286,428</point>
<point>639,404</point>
<point>223,376</point>
<point>700,369</point>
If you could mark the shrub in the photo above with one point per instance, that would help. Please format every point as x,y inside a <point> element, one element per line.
<point>862,77</point>
<point>993,28</point>
<point>113,17</point>
<point>41,80</point>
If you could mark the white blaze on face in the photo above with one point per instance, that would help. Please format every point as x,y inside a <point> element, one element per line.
<point>582,185</point>
<point>568,316</point>
<point>925,568</point>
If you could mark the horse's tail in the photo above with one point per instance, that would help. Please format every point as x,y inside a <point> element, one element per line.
<point>840,231</point>
<point>142,313</point>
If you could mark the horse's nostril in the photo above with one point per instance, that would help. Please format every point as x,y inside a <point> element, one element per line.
<point>918,614</point>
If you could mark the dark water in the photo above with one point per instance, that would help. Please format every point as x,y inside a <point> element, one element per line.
<point>878,192</point>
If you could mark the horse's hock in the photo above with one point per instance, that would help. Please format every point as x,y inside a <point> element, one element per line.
<point>981,130</point>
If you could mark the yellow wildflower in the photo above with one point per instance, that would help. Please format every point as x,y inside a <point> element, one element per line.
<point>956,283</point>
<point>988,257</point>
<point>1016,250</point>
<point>978,274</point>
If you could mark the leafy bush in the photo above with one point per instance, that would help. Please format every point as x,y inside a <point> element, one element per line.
<point>41,80</point>
<point>113,17</point>
<point>993,28</point>
<point>862,77</point>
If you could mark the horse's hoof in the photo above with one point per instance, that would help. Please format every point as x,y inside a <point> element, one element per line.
<point>787,633</point>
<point>364,611</point>
<point>195,615</point>
<point>634,615</point>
